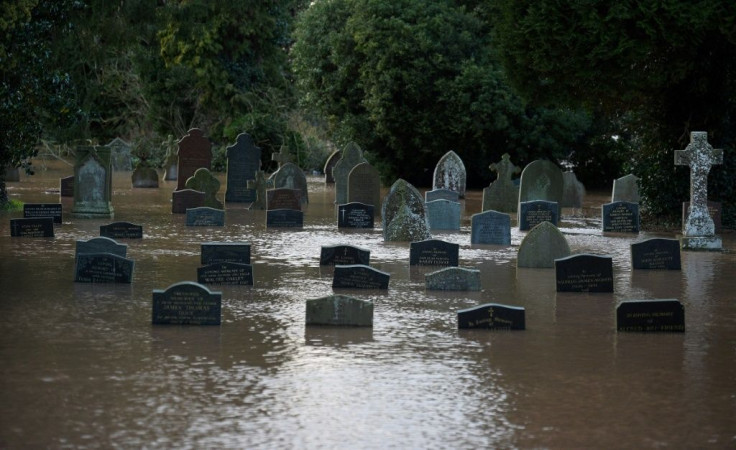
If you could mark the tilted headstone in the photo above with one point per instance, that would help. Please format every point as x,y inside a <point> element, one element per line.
<point>101,245</point>
<point>290,176</point>
<point>651,316</point>
<point>441,194</point>
<point>186,199</point>
<point>330,164</point>
<point>626,189</point>
<point>33,227</point>
<point>186,303</point>
<point>656,253</point>
<point>541,180</point>
<point>502,195</point>
<point>103,268</point>
<point>433,252</point>
<point>358,276</point>
<point>453,279</point>
<point>220,252</point>
<point>171,160</point>
<point>534,212</point>
<point>492,316</point>
<point>355,215</point>
<point>226,273</point>
<point>204,181</point>
<point>121,230</point>
<point>284,218</point>
<point>698,231</point>
<point>195,152</point>
<point>490,227</point>
<point>449,173</point>
<point>205,216</point>
<point>573,191</point>
<point>403,214</point>
<point>259,186</point>
<point>714,209</point>
<point>92,183</point>
<point>620,217</point>
<point>53,210</point>
<point>144,177</point>
<point>541,247</point>
<point>243,161</point>
<point>584,273</point>
<point>120,154</point>
<point>339,310</point>
<point>66,186</point>
<point>352,155</point>
<point>364,185</point>
<point>343,255</point>
<point>443,215</point>
<point>284,198</point>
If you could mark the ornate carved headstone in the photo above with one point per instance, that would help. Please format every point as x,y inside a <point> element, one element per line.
<point>541,246</point>
<point>449,173</point>
<point>502,195</point>
<point>290,176</point>
<point>364,185</point>
<point>541,180</point>
<point>195,151</point>
<point>204,181</point>
<point>403,215</point>
<point>120,154</point>
<point>243,161</point>
<point>352,155</point>
<point>626,189</point>
<point>92,183</point>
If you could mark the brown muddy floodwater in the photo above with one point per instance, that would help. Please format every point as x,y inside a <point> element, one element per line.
<point>82,366</point>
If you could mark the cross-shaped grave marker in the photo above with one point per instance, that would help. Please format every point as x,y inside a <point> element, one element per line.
<point>283,156</point>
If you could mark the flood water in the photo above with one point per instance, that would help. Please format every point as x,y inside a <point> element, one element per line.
<point>82,366</point>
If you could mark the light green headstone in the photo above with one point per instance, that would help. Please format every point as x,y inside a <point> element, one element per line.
<point>541,246</point>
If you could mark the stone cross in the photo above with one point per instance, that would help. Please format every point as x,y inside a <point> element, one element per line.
<point>505,168</point>
<point>283,156</point>
<point>700,156</point>
<point>259,184</point>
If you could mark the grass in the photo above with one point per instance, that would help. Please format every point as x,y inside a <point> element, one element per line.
<point>11,205</point>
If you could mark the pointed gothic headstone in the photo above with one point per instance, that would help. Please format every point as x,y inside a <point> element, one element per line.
<point>403,215</point>
<point>120,154</point>
<point>449,173</point>
<point>502,195</point>
<point>541,246</point>
<point>352,155</point>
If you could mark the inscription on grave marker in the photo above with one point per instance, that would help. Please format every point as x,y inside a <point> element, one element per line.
<point>433,252</point>
<point>103,268</point>
<point>122,230</point>
<point>492,316</point>
<point>226,273</point>
<point>656,253</point>
<point>36,227</point>
<point>359,277</point>
<point>584,273</point>
<point>343,255</point>
<point>220,252</point>
<point>651,316</point>
<point>355,215</point>
<point>620,217</point>
<point>186,303</point>
<point>53,210</point>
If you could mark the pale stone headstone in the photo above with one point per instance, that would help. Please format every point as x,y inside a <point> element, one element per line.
<point>626,189</point>
<point>290,176</point>
<point>92,182</point>
<point>144,177</point>
<point>339,310</point>
<point>283,156</point>
<point>541,180</point>
<point>403,214</point>
<point>541,246</point>
<point>120,154</point>
<point>502,195</point>
<point>171,160</point>
<point>449,173</point>
<point>243,161</point>
<point>714,209</point>
<point>195,151</point>
<point>260,186</point>
<point>204,181</point>
<point>352,155</point>
<point>441,194</point>
<point>573,191</point>
<point>443,215</point>
<point>453,279</point>
<point>330,164</point>
<point>364,185</point>
<point>490,227</point>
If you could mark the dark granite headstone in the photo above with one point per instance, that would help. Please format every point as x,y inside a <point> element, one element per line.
<point>490,227</point>
<point>220,252</point>
<point>584,273</point>
<point>433,252</point>
<point>441,194</point>
<point>356,276</point>
<point>343,255</point>
<point>656,253</point>
<point>284,198</point>
<point>534,212</point>
<point>651,316</point>
<point>103,268</point>
<point>620,217</point>
<point>226,273</point>
<point>492,316</point>
<point>714,209</point>
<point>195,151</point>
<point>339,310</point>
<point>364,185</point>
<point>453,279</point>
<point>355,215</point>
<point>101,245</point>
<point>53,210</point>
<point>186,303</point>
<point>205,217</point>
<point>186,199</point>
<point>35,227</point>
<point>122,230</point>
<point>66,186</point>
<point>284,218</point>
<point>243,161</point>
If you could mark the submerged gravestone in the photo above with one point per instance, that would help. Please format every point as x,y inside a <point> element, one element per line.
<point>626,189</point>
<point>403,214</point>
<point>226,273</point>
<point>290,176</point>
<point>541,247</point>
<point>330,164</point>
<point>656,253</point>
<point>573,191</point>
<point>186,199</point>
<point>620,217</point>
<point>259,186</point>
<point>443,215</point>
<point>186,303</point>
<point>339,310</point>
<point>243,161</point>
<point>541,180</point>
<point>205,216</point>
<point>502,195</point>
<point>101,245</point>
<point>204,181</point>
<point>144,177</point>
<point>120,158</point>
<point>449,173</point>
<point>433,252</point>
<point>358,276</point>
<point>171,160</point>
<point>53,210</point>
<point>490,227</point>
<point>32,227</point>
<point>492,316</point>
<point>584,273</point>
<point>343,255</point>
<point>92,183</point>
<point>220,252</point>
<point>284,218</point>
<point>453,279</point>
<point>355,215</point>
<point>441,194</point>
<point>103,268</point>
<point>121,230</point>
<point>66,186</point>
<point>195,152</point>
<point>352,155</point>
<point>364,185</point>
<point>284,198</point>
<point>698,231</point>
<point>651,316</point>
<point>534,212</point>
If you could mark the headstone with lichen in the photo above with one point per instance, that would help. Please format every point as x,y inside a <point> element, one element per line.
<point>403,215</point>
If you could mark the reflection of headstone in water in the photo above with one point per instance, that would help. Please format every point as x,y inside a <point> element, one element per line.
<point>92,182</point>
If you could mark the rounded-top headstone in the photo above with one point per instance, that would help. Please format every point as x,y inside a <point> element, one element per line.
<point>541,180</point>
<point>352,155</point>
<point>449,173</point>
<point>541,246</point>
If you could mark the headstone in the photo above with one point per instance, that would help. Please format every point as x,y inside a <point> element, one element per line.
<point>226,273</point>
<point>541,180</point>
<point>53,210</point>
<point>656,253</point>
<point>35,227</point>
<point>714,209</point>
<point>573,191</point>
<point>443,215</point>
<point>284,198</point>
<point>204,181</point>
<point>92,183</point>
<point>620,217</point>
<point>534,212</point>
<point>171,160</point>
<point>66,186</point>
<point>584,273</point>
<point>698,231</point>
<point>103,268</point>
<point>433,252</point>
<point>626,189</point>
<point>186,303</point>
<point>343,255</point>
<point>453,279</point>
<point>449,173</point>
<point>144,177</point>
<point>220,252</point>
<point>502,195</point>
<point>259,186</point>
<point>284,218</point>
<point>243,161</point>
<point>101,245</point>
<point>364,185</point>
<point>186,199</point>
<point>492,316</point>
<point>12,174</point>
<point>357,276</point>
<point>352,155</point>
<point>355,215</point>
<point>403,214</point>
<point>541,247</point>
<point>121,230</point>
<point>283,156</point>
<point>651,316</point>
<point>205,217</point>
<point>330,164</point>
<point>339,310</point>
<point>490,227</point>
<point>120,154</point>
<point>290,176</point>
<point>195,152</point>
<point>441,194</point>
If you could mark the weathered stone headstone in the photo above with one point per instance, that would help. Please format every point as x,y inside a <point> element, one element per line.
<point>92,183</point>
<point>220,252</point>
<point>626,189</point>
<point>259,186</point>
<point>698,231</point>
<point>344,255</point>
<point>284,218</point>
<point>620,217</point>
<point>284,156</point>
<point>121,230</point>
<point>144,177</point>
<point>651,316</point>
<point>714,209</point>
<point>205,216</point>
<point>403,214</point>
<point>339,310</point>
<point>103,268</point>
<point>35,227</point>
<point>195,152</point>
<point>186,303</point>
<point>290,176</point>
<point>541,180</point>
<point>453,279</point>
<point>502,195</point>
<point>449,173</point>
<point>352,155</point>
<point>534,212</point>
<point>573,191</point>
<point>443,215</point>
<point>204,181</point>
<point>120,154</point>
<point>364,185</point>
<point>101,245</point>
<point>12,174</point>
<point>492,316</point>
<point>490,227</point>
<point>284,198</point>
<point>186,199</point>
<point>358,276</point>
<point>53,210</point>
<point>66,186</point>
<point>441,194</point>
<point>542,246</point>
<point>355,215</point>
<point>656,253</point>
<point>226,273</point>
<point>171,160</point>
<point>433,252</point>
<point>584,273</point>
<point>330,164</point>
<point>243,161</point>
